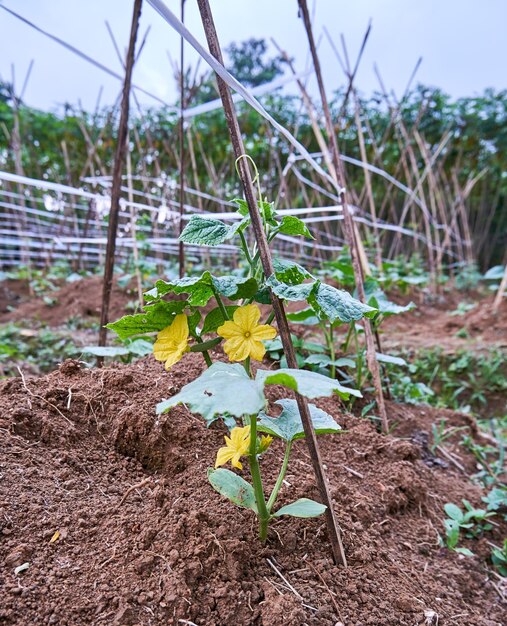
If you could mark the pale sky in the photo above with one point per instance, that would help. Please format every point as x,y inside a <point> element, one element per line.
<point>462,42</point>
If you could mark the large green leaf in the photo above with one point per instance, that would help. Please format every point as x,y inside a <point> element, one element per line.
<point>290,272</point>
<point>304,507</point>
<point>234,487</point>
<point>215,318</point>
<point>235,287</point>
<point>205,231</point>
<point>294,293</point>
<point>294,226</point>
<point>222,388</point>
<point>305,316</point>
<point>309,384</point>
<point>288,425</point>
<point>337,304</point>
<point>199,289</point>
<point>378,299</point>
<point>155,318</point>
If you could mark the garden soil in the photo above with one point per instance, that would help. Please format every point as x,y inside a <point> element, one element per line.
<point>81,298</point>
<point>108,508</point>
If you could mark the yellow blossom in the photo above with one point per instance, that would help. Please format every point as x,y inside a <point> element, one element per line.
<point>237,445</point>
<point>244,334</point>
<point>172,342</point>
<point>265,442</point>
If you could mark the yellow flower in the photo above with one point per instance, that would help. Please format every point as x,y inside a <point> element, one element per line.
<point>237,445</point>
<point>244,335</point>
<point>265,442</point>
<point>172,342</point>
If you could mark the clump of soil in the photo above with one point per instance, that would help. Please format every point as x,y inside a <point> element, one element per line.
<point>144,539</point>
<point>82,298</point>
<point>430,325</point>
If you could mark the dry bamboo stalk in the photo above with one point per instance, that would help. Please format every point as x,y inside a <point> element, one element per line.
<point>350,231</point>
<point>133,230</point>
<point>267,264</point>
<point>181,128</point>
<point>117,174</point>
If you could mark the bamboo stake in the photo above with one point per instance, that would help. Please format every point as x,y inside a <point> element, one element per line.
<point>181,248</point>
<point>267,264</point>
<point>117,173</point>
<point>350,232</point>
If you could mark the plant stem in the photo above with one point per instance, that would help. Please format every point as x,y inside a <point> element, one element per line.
<point>244,245</point>
<point>221,306</point>
<point>332,351</point>
<point>204,353</point>
<point>281,476</point>
<point>270,318</point>
<point>263,512</point>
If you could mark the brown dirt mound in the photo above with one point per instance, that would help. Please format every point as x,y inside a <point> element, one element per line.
<point>82,298</point>
<point>144,540</point>
<point>429,325</point>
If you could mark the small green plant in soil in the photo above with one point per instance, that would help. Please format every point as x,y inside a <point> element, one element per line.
<point>39,349</point>
<point>234,391</point>
<point>463,381</point>
<point>471,521</point>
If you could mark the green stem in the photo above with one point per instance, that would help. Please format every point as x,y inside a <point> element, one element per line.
<point>246,365</point>
<point>348,337</point>
<point>204,353</point>
<point>262,510</point>
<point>332,352</point>
<point>270,318</point>
<point>244,245</point>
<point>281,476</point>
<point>221,305</point>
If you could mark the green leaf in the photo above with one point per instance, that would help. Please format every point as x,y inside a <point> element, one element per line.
<point>215,318</point>
<point>294,226</point>
<point>290,272</point>
<point>238,227</point>
<point>242,206</point>
<point>267,210</point>
<point>453,511</point>
<point>234,487</point>
<point>235,287</point>
<point>388,358</point>
<point>306,317</point>
<point>288,425</point>
<point>322,360</point>
<point>222,388</point>
<point>337,304</point>
<point>378,299</point>
<point>452,532</point>
<point>495,273</point>
<point>204,231</point>
<point>193,321</point>
<point>198,287</point>
<point>139,347</point>
<point>263,296</point>
<point>464,551</point>
<point>304,507</point>
<point>294,293</point>
<point>309,384</point>
<point>155,318</point>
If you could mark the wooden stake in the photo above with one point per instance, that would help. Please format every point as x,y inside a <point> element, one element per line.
<point>350,231</point>
<point>117,172</point>
<point>181,248</point>
<point>267,265</point>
